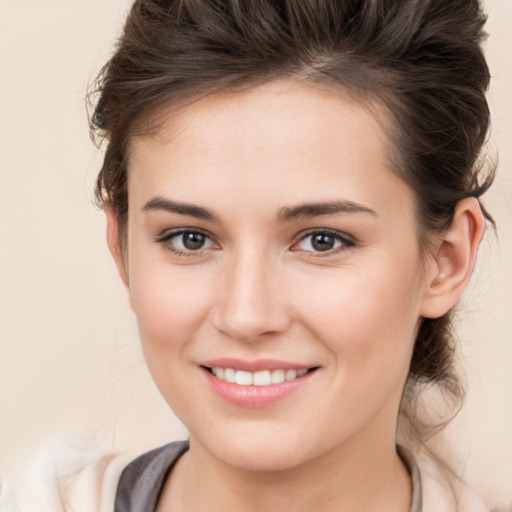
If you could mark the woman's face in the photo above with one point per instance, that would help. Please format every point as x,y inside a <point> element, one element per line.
<point>267,236</point>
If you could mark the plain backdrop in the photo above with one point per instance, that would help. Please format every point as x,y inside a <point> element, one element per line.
<point>69,355</point>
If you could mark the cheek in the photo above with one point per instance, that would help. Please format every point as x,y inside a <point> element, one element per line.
<point>368,317</point>
<point>170,305</point>
<point>170,308</point>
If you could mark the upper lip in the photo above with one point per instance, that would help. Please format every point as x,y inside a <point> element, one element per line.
<point>256,365</point>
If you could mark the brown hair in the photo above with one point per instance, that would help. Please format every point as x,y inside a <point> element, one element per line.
<point>420,60</point>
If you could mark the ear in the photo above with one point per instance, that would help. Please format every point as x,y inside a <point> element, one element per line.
<point>453,260</point>
<point>114,246</point>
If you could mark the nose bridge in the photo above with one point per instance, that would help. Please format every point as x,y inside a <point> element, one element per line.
<point>251,305</point>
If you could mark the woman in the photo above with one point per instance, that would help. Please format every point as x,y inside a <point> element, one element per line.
<point>291,191</point>
<point>292,196</point>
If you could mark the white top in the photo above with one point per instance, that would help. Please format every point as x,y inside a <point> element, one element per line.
<point>72,479</point>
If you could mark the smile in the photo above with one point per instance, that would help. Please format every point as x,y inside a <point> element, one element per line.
<point>263,386</point>
<point>260,378</point>
<point>257,383</point>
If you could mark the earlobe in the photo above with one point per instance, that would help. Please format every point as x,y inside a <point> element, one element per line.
<point>114,245</point>
<point>454,259</point>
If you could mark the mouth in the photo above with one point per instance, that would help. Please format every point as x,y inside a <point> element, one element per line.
<point>256,384</point>
<point>259,378</point>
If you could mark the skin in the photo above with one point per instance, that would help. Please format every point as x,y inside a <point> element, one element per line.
<point>258,289</point>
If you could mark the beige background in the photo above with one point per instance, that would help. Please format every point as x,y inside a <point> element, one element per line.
<point>69,357</point>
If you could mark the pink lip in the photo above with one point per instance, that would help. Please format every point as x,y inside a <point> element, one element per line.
<point>254,366</point>
<point>255,396</point>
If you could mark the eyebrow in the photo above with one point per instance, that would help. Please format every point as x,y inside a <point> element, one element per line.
<point>161,203</point>
<point>287,213</point>
<point>309,210</point>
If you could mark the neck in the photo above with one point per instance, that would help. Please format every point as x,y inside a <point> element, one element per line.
<point>353,476</point>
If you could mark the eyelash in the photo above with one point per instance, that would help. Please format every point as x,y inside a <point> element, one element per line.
<point>345,242</point>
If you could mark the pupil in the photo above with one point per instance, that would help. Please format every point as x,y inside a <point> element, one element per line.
<point>193,241</point>
<point>323,242</point>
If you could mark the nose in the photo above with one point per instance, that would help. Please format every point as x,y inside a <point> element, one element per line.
<point>251,304</point>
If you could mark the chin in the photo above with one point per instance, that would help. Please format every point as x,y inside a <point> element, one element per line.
<point>263,449</point>
<point>264,458</point>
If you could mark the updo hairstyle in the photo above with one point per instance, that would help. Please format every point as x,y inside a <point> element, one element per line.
<point>417,61</point>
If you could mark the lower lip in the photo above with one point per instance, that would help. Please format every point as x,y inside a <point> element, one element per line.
<point>255,396</point>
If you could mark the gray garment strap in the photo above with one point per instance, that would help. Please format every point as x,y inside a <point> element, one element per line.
<point>142,481</point>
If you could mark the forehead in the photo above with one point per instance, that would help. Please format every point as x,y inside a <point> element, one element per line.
<point>286,138</point>
<point>261,108</point>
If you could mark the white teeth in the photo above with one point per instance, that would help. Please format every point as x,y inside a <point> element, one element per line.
<point>290,374</point>
<point>243,378</point>
<point>261,378</point>
<point>229,374</point>
<point>277,376</point>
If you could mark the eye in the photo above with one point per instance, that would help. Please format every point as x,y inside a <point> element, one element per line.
<point>186,241</point>
<point>323,241</point>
